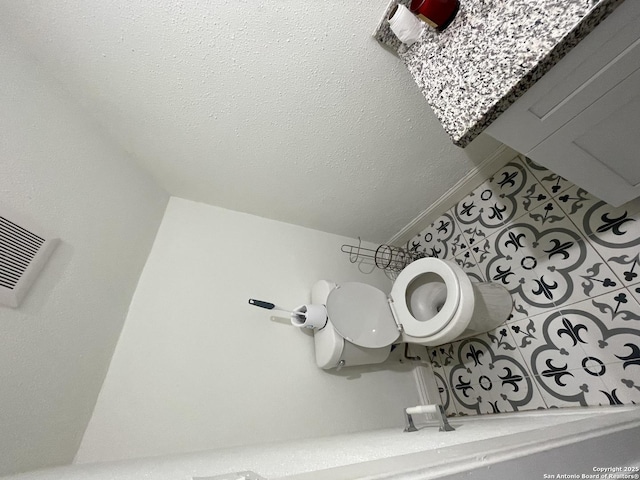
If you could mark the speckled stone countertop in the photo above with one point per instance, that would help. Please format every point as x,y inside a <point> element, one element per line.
<point>491,54</point>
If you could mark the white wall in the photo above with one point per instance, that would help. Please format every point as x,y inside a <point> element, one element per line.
<point>59,171</point>
<point>234,103</point>
<point>198,368</point>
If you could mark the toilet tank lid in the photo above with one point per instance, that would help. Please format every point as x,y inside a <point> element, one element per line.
<point>361,314</point>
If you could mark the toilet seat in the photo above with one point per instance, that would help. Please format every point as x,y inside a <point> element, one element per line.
<point>452,276</point>
<point>366,317</point>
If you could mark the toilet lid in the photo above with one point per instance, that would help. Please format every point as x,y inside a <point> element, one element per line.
<point>361,314</point>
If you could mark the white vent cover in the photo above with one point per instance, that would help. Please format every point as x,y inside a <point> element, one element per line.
<point>23,253</point>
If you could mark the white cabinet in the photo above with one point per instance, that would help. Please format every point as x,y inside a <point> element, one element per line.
<point>582,119</point>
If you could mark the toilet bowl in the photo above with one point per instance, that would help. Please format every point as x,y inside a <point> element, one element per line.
<point>432,302</point>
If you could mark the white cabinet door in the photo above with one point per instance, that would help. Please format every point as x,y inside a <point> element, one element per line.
<point>585,74</point>
<point>582,119</point>
<point>599,149</point>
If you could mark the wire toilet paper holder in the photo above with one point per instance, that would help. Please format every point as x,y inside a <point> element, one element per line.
<point>386,257</point>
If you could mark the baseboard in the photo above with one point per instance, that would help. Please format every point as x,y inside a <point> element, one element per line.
<point>500,157</point>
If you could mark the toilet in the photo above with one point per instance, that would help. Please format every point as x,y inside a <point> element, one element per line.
<point>432,302</point>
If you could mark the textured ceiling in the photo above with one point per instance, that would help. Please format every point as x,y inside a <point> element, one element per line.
<point>287,110</point>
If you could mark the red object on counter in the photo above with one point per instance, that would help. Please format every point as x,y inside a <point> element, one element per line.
<point>437,13</point>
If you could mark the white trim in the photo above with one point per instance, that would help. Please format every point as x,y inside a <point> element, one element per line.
<point>501,156</point>
<point>420,374</point>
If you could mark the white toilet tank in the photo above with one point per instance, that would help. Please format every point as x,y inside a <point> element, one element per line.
<point>331,349</point>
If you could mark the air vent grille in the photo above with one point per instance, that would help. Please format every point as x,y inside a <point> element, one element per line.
<point>23,253</point>
<point>18,247</point>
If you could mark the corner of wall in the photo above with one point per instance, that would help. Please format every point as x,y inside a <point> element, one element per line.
<point>466,184</point>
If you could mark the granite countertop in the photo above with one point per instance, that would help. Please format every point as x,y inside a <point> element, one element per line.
<point>491,54</point>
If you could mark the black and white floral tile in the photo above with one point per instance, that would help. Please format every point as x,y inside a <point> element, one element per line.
<point>572,266</point>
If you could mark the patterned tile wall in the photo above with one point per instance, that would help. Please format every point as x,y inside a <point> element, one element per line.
<point>572,266</point>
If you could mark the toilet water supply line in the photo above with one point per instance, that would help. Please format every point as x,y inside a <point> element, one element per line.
<point>305,316</point>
